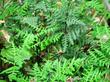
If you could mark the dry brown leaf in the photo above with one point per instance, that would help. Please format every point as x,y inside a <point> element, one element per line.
<point>70,79</point>
<point>104,38</point>
<point>2,21</point>
<point>5,35</point>
<point>107,76</point>
<point>60,52</point>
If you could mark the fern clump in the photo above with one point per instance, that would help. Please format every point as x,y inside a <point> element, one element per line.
<point>54,41</point>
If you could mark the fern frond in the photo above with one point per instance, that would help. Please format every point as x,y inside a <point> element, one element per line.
<point>65,43</point>
<point>92,75</point>
<point>56,71</point>
<point>31,21</point>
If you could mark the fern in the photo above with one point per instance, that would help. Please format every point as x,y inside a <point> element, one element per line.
<point>97,63</point>
<point>37,27</point>
<point>56,71</point>
<point>95,66</point>
<point>12,53</point>
<point>10,9</point>
<point>32,21</point>
<point>58,21</point>
<point>92,75</point>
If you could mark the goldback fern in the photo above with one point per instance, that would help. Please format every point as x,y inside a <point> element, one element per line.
<point>48,41</point>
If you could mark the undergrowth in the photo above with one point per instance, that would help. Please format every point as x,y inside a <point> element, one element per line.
<point>54,41</point>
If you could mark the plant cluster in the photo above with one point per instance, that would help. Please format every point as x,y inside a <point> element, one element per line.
<point>54,41</point>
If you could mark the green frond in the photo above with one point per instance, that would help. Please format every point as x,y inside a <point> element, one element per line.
<point>56,71</point>
<point>31,21</point>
